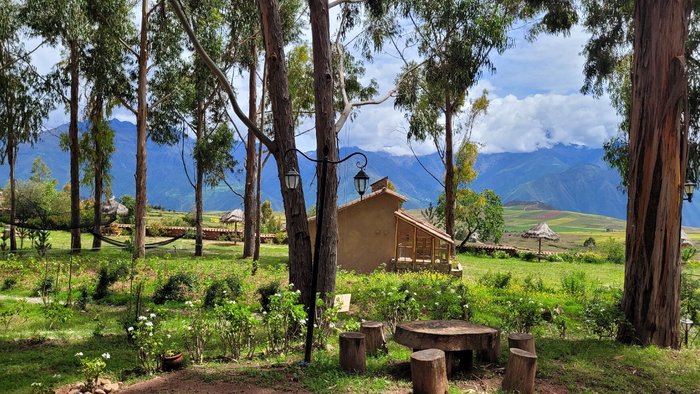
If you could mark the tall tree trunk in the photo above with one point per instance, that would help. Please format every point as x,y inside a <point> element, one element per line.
<point>657,164</point>
<point>250,161</point>
<point>141,135</point>
<point>198,206</point>
<point>12,160</point>
<point>325,139</point>
<point>258,229</point>
<point>449,172</point>
<point>99,173</point>
<point>74,149</point>
<point>294,206</point>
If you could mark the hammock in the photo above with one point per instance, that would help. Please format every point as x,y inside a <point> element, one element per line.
<point>123,244</point>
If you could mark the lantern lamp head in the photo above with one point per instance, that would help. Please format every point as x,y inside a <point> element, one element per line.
<point>361,180</point>
<point>687,323</point>
<point>291,179</point>
<point>689,189</point>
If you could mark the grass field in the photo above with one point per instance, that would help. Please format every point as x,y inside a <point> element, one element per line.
<point>578,362</point>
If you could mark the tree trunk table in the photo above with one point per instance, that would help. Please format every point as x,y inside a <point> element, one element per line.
<point>457,338</point>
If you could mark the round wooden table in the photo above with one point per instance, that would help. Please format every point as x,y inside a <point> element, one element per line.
<point>457,338</point>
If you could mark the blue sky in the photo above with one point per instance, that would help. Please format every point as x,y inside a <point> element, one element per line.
<point>535,101</point>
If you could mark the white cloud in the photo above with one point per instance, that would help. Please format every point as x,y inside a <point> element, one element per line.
<point>537,121</point>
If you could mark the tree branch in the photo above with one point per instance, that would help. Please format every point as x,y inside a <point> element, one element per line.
<point>220,76</point>
<point>128,47</point>
<point>425,168</point>
<point>332,4</point>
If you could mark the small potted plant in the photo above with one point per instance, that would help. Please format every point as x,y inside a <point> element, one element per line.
<point>171,359</point>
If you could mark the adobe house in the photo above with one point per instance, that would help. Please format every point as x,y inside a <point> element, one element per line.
<point>374,230</point>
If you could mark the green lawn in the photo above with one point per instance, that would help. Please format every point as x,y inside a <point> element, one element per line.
<point>579,362</point>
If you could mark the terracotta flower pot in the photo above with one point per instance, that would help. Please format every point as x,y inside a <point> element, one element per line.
<point>172,363</point>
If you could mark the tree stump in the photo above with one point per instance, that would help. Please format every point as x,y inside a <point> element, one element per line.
<point>520,372</point>
<point>428,372</point>
<point>374,337</point>
<point>520,340</point>
<point>352,352</point>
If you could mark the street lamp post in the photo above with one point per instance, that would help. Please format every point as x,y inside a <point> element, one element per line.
<point>686,323</point>
<point>291,179</point>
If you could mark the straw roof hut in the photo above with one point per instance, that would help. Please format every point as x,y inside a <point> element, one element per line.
<point>113,207</point>
<point>685,240</point>
<point>541,231</point>
<point>235,216</point>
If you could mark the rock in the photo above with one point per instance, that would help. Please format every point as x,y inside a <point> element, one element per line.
<point>103,381</point>
<point>99,391</point>
<point>110,388</point>
<point>74,391</point>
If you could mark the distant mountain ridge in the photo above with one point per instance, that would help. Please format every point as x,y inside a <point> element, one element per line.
<point>566,177</point>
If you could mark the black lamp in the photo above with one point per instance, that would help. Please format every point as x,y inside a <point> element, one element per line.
<point>361,180</point>
<point>686,323</point>
<point>291,179</point>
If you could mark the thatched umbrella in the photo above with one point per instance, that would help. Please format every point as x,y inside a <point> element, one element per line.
<point>113,207</point>
<point>541,231</point>
<point>235,217</point>
<point>685,240</point>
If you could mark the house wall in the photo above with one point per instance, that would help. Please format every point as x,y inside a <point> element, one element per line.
<point>366,233</point>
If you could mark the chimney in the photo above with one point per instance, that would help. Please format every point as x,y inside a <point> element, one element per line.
<point>380,184</point>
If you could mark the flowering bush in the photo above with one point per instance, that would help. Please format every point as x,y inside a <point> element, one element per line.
<point>197,332</point>
<point>397,305</point>
<point>235,323</point>
<point>522,314</point>
<point>148,343</point>
<point>326,320</point>
<point>55,313</point>
<point>284,319</point>
<point>92,368</point>
<point>603,314</point>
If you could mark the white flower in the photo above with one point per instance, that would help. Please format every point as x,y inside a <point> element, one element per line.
<point>189,328</point>
<point>225,291</point>
<point>79,354</point>
<point>188,303</point>
<point>149,324</point>
<point>130,329</point>
<point>152,315</point>
<point>142,318</point>
<point>106,356</point>
<point>168,336</point>
<point>36,384</point>
<point>150,334</point>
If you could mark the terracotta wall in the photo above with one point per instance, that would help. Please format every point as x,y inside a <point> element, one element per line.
<point>366,233</point>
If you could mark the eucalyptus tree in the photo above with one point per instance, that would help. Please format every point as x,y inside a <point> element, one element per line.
<point>107,82</point>
<point>23,106</point>
<point>65,23</point>
<point>656,91</point>
<point>456,39</point>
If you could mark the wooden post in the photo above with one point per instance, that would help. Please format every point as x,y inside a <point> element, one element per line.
<point>520,372</point>
<point>352,352</point>
<point>521,340</point>
<point>374,337</point>
<point>415,245</point>
<point>428,372</point>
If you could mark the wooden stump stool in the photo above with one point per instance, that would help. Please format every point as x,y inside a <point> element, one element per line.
<point>428,372</point>
<point>520,372</point>
<point>520,340</point>
<point>374,337</point>
<point>352,352</point>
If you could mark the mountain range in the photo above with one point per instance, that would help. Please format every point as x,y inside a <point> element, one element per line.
<point>566,177</point>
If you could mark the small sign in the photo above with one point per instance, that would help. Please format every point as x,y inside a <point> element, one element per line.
<point>342,302</point>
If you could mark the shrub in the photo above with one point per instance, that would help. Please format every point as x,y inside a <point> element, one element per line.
<point>554,258</point>
<point>568,257</point>
<point>8,314</point>
<point>107,276</point>
<point>83,298</point>
<point>235,323</point>
<point>589,243</point>
<point>521,314</point>
<point>531,284</point>
<point>527,256</point>
<point>449,301</point>
<point>178,287</point>
<point>614,251</point>
<point>198,333</point>
<point>284,320</point>
<point>574,283</point>
<point>688,253</point>
<point>156,229</point>
<point>280,238</point>
<point>222,290</point>
<point>265,292</point>
<point>397,305</point>
<point>145,335</point>
<point>44,287</point>
<point>602,316</point>
<point>500,254</point>
<point>590,258</point>
<point>496,280</point>
<point>92,368</point>
<point>9,283</point>
<point>690,297</point>
<point>55,313</point>
<point>326,320</point>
